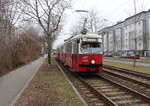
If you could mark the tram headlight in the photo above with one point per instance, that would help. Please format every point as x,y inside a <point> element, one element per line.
<point>93,61</point>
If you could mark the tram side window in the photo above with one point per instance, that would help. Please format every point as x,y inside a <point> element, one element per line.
<point>75,48</point>
<point>69,48</point>
<point>66,48</point>
<point>61,49</point>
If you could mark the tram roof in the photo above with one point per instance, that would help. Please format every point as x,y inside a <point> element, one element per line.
<point>88,35</point>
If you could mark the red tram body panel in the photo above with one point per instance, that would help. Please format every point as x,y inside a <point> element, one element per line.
<point>84,63</point>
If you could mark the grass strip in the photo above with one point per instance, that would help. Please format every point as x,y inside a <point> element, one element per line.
<point>129,60</point>
<point>49,88</point>
<point>129,66</point>
<point>53,62</point>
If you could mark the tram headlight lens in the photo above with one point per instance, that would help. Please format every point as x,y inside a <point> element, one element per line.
<point>93,61</point>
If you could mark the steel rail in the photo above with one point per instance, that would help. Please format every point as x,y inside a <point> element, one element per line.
<point>99,94</point>
<point>102,96</point>
<point>127,78</point>
<point>134,92</point>
<point>140,74</point>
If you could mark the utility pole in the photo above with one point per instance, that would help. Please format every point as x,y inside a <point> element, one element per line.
<point>135,35</point>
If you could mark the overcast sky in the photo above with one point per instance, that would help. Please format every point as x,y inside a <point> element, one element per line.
<point>112,10</point>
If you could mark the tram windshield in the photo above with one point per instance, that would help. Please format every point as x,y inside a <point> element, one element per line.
<point>91,48</point>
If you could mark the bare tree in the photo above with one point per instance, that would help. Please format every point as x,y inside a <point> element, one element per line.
<point>15,48</point>
<point>94,22</point>
<point>48,14</point>
<point>9,16</point>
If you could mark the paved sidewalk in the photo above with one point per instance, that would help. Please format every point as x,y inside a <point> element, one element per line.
<point>126,62</point>
<point>12,83</point>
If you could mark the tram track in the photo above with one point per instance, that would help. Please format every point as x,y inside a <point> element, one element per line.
<point>85,90</point>
<point>137,81</point>
<point>119,94</point>
<point>130,72</point>
<point>98,90</point>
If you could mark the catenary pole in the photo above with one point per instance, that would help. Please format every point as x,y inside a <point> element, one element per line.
<point>135,35</point>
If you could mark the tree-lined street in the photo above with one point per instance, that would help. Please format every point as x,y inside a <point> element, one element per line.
<point>43,36</point>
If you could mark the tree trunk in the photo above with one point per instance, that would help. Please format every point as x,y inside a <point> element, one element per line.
<point>49,50</point>
<point>49,57</point>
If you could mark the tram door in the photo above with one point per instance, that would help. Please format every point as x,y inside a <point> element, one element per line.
<point>75,54</point>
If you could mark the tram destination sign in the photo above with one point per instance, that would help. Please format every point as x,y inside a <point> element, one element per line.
<point>92,39</point>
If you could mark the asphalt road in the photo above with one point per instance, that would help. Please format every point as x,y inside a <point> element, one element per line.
<point>126,62</point>
<point>12,83</point>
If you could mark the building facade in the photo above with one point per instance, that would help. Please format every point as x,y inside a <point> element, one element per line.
<point>131,36</point>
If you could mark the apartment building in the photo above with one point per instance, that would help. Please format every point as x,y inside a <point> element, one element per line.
<point>129,36</point>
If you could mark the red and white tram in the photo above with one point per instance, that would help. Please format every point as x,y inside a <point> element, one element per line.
<point>82,53</point>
